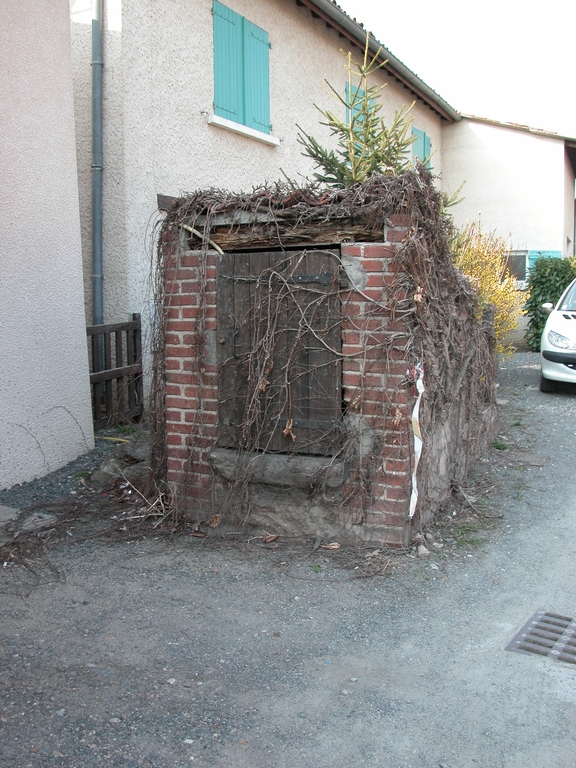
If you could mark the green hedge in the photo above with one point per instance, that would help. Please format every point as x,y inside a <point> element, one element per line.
<point>548,279</point>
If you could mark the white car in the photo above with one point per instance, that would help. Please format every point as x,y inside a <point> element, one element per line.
<point>558,345</point>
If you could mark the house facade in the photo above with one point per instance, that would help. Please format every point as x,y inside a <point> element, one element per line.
<point>196,94</point>
<point>45,417</point>
<point>518,180</point>
<point>200,94</point>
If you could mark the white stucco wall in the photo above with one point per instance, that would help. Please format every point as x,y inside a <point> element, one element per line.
<point>45,417</point>
<point>568,207</point>
<point>158,83</point>
<point>514,182</point>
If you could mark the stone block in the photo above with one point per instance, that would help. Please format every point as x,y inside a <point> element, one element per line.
<point>279,469</point>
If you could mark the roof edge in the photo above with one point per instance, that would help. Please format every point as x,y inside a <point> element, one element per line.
<point>519,127</point>
<point>331,13</point>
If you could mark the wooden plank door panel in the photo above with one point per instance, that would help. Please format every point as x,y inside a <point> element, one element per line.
<point>279,351</point>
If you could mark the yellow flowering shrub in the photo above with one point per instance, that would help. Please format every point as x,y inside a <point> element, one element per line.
<point>483,258</point>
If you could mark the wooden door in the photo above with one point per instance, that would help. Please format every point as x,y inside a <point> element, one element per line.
<point>279,344</point>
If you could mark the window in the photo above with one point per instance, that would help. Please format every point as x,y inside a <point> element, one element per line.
<point>241,70</point>
<point>517,265</point>
<point>421,147</point>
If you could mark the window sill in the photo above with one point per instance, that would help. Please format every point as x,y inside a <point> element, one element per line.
<point>230,125</point>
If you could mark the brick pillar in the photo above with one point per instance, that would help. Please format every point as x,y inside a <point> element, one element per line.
<point>191,377</point>
<point>374,372</point>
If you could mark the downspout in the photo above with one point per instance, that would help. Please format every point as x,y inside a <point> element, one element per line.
<point>97,166</point>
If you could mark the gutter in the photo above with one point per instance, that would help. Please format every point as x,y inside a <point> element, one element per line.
<point>97,166</point>
<point>336,18</point>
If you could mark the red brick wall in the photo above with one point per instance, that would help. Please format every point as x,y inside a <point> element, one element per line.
<point>374,388</point>
<point>191,380</point>
<point>374,371</point>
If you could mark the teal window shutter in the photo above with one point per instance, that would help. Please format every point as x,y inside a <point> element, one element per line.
<point>241,69</point>
<point>351,93</point>
<point>427,149</point>
<point>256,78</point>
<point>228,68</point>
<point>418,144</point>
<point>422,146</point>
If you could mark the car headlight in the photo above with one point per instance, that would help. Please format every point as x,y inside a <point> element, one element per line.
<point>557,340</point>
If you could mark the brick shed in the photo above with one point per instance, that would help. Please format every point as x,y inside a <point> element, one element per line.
<point>297,336</point>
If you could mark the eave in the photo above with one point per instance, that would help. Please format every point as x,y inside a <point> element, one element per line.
<point>347,28</point>
<point>571,152</point>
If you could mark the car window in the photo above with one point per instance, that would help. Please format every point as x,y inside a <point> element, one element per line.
<point>569,301</point>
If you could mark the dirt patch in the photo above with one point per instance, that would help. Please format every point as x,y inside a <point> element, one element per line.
<point>64,509</point>
<point>169,650</point>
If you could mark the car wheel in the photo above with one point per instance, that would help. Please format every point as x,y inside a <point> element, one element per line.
<point>547,385</point>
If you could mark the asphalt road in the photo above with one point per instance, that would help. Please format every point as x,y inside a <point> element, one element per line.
<point>168,654</point>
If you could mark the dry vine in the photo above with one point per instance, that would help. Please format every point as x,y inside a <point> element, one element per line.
<point>437,305</point>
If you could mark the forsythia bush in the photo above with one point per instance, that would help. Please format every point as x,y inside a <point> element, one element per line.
<point>483,257</point>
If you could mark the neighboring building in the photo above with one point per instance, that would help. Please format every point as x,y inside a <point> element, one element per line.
<point>518,180</point>
<point>45,417</point>
<point>201,94</point>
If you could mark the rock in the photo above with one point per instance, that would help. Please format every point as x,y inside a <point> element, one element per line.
<point>129,461</point>
<point>37,521</point>
<point>134,451</point>
<point>105,476</point>
<point>138,475</point>
<point>429,537</point>
<point>418,538</point>
<point>8,513</point>
<point>423,551</point>
<point>278,470</point>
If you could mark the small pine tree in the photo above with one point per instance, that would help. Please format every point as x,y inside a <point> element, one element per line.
<point>366,146</point>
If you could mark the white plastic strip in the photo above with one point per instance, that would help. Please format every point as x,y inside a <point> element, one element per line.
<point>419,383</point>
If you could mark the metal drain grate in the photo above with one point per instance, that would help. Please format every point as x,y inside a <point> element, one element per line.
<point>547,634</point>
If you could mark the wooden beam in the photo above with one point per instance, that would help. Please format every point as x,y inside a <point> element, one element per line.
<point>165,202</point>
<point>129,325</point>
<point>115,373</point>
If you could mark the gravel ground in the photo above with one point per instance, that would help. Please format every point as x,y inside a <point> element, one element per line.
<point>64,482</point>
<point>168,652</point>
